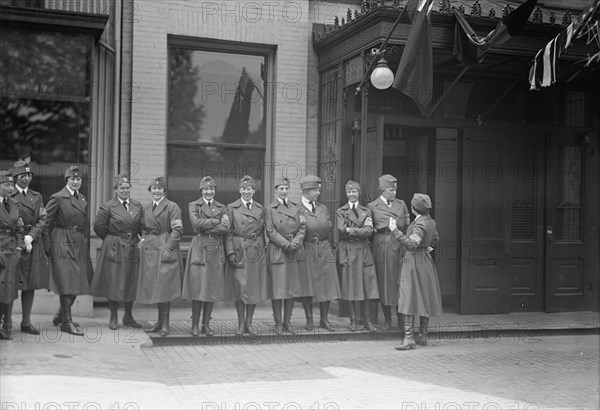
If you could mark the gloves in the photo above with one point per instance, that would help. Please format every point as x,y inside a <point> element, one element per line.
<point>28,243</point>
<point>234,262</point>
<point>393,226</point>
<point>292,246</point>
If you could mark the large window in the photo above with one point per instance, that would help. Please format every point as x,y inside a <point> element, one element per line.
<point>45,102</point>
<point>218,119</point>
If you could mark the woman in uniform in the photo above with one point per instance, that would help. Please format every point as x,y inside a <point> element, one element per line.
<point>11,246</point>
<point>161,265</point>
<point>71,267</point>
<point>387,250</point>
<point>286,228</point>
<point>246,274</point>
<point>355,260</point>
<point>119,225</point>
<point>204,278</point>
<point>419,285</point>
<point>34,264</point>
<point>320,253</point>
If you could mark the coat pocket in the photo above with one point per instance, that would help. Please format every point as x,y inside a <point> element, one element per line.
<point>197,255</point>
<point>168,255</point>
<point>342,255</point>
<point>113,250</point>
<point>276,255</point>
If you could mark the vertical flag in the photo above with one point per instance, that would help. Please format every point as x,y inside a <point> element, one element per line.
<point>237,125</point>
<point>471,48</point>
<point>415,70</point>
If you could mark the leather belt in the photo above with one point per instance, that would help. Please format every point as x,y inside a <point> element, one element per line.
<point>384,230</point>
<point>72,228</point>
<point>252,236</point>
<point>152,231</point>
<point>209,235</point>
<point>315,240</point>
<point>354,239</point>
<point>124,235</point>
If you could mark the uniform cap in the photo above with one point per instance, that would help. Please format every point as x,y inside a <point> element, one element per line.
<point>122,178</point>
<point>206,182</point>
<point>73,172</point>
<point>158,182</point>
<point>21,167</point>
<point>387,181</point>
<point>421,202</point>
<point>282,181</point>
<point>352,185</point>
<point>247,181</point>
<point>6,176</point>
<point>310,182</point>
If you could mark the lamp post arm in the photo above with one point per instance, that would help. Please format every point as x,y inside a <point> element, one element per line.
<point>379,52</point>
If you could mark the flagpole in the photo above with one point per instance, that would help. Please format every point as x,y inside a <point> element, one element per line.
<point>451,86</point>
<point>378,54</point>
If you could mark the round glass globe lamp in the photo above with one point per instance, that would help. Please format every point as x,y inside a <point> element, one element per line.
<point>382,77</point>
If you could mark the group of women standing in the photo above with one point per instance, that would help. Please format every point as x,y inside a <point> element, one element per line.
<point>242,252</point>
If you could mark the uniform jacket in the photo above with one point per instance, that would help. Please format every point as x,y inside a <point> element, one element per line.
<point>382,214</point>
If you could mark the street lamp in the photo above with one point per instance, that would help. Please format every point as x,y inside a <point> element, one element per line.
<point>382,77</point>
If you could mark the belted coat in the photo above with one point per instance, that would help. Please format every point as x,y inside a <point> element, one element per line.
<point>355,260</point>
<point>70,264</point>
<point>117,269</point>
<point>387,250</point>
<point>161,264</point>
<point>204,277</point>
<point>11,238</point>
<point>34,265</point>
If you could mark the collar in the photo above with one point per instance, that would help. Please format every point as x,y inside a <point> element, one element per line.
<point>281,200</point>
<point>418,216</point>
<point>70,190</point>
<point>21,190</point>
<point>158,202</point>
<point>306,203</point>
<point>385,200</point>
<point>354,203</point>
<point>246,202</point>
<point>122,200</point>
<point>206,201</point>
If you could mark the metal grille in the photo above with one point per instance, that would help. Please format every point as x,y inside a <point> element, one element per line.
<point>567,223</point>
<point>522,226</point>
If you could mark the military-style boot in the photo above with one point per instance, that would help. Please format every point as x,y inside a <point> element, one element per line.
<point>26,305</point>
<point>5,315</point>
<point>249,315</point>
<point>67,324</point>
<point>308,312</point>
<point>423,329</point>
<point>128,319</point>
<point>208,307</point>
<point>324,313</point>
<point>113,322</point>
<point>241,314</point>
<point>369,305</point>
<point>165,330</point>
<point>288,306</point>
<point>276,304</point>
<point>196,309</point>
<point>408,342</point>
<point>387,317</point>
<point>352,316</point>
<point>358,308</point>
<point>58,316</point>
<point>158,325</point>
<point>401,322</point>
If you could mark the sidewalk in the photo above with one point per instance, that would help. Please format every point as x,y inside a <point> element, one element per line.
<point>449,326</point>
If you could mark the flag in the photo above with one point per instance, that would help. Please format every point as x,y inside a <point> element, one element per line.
<point>471,48</point>
<point>237,125</point>
<point>415,70</point>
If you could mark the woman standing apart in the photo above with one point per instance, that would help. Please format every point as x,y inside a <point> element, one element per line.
<point>71,267</point>
<point>320,254</point>
<point>246,274</point>
<point>359,280</point>
<point>119,225</point>
<point>34,264</point>
<point>387,250</point>
<point>11,246</point>
<point>204,278</point>
<point>419,285</point>
<point>161,264</point>
<point>286,228</point>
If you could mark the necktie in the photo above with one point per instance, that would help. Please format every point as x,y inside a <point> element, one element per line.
<point>285,203</point>
<point>312,204</point>
<point>389,201</point>
<point>125,205</point>
<point>248,205</point>
<point>354,210</point>
<point>6,205</point>
<point>76,195</point>
<point>208,203</point>
<point>154,206</point>
<point>24,193</point>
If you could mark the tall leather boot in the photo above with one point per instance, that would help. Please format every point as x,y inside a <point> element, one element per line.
<point>208,307</point>
<point>3,334</point>
<point>196,310</point>
<point>276,304</point>
<point>241,314</point>
<point>158,325</point>
<point>113,322</point>
<point>6,313</point>
<point>288,306</point>
<point>308,312</point>
<point>423,329</point>
<point>369,306</point>
<point>408,342</point>
<point>352,316</point>
<point>358,308</point>
<point>401,322</point>
<point>58,316</point>
<point>387,317</point>
<point>324,322</point>
<point>128,319</point>
<point>67,324</point>
<point>26,305</point>
<point>249,315</point>
<point>165,330</point>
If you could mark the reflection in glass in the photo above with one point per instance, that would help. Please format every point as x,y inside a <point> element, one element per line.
<point>186,166</point>
<point>216,97</point>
